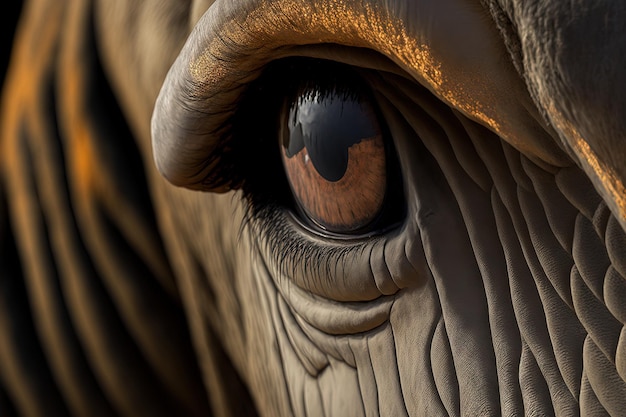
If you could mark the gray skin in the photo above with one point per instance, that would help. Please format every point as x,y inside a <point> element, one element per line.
<point>502,291</point>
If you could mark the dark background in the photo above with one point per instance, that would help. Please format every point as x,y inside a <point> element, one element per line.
<point>9,13</point>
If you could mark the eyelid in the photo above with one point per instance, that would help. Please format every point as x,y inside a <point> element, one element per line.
<point>361,270</point>
<point>228,49</point>
<point>233,41</point>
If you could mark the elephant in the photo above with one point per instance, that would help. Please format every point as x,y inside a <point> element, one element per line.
<point>314,208</point>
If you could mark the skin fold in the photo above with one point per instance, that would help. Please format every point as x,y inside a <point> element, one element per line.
<point>153,262</point>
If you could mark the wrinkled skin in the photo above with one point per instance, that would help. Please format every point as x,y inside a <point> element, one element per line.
<point>144,275</point>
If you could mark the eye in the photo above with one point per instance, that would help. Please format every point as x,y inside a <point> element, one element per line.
<point>334,158</point>
<point>308,139</point>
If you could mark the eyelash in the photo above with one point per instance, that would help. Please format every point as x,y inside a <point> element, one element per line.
<point>291,247</point>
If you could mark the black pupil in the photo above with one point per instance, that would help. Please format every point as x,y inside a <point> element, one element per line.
<point>327,125</point>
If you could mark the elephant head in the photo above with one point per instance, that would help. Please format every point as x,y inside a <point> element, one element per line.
<point>372,207</point>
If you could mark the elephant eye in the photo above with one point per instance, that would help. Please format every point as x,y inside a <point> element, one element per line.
<point>308,137</point>
<point>334,158</point>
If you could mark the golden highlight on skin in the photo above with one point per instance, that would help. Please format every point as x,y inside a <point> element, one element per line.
<point>611,182</point>
<point>273,24</point>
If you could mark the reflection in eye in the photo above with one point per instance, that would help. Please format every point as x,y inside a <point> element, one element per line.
<point>334,157</point>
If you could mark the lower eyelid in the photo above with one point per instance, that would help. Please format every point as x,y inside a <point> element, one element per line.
<point>315,264</point>
<point>336,270</point>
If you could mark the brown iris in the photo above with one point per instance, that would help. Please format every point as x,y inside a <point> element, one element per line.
<point>334,156</point>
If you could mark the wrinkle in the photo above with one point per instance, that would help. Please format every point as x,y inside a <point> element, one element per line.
<point>614,291</point>
<point>444,374</point>
<point>509,349</point>
<point>467,321</point>
<point>615,241</point>
<point>556,315</point>
<point>385,365</point>
<point>607,385</point>
<point>530,312</point>
<point>381,269</point>
<point>313,360</point>
<point>590,256</point>
<point>339,392</point>
<point>554,286</point>
<point>554,262</point>
<point>413,341</point>
<point>601,219</point>
<point>535,392</point>
<point>334,317</point>
<point>313,398</point>
<point>602,328</point>
<point>280,350</point>
<point>575,185</point>
<point>366,378</point>
<point>559,212</point>
<point>589,403</point>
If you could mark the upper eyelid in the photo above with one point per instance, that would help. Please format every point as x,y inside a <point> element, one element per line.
<point>233,41</point>
<point>229,47</point>
<point>213,71</point>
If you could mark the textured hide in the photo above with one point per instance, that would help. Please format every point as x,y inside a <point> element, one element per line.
<point>149,265</point>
